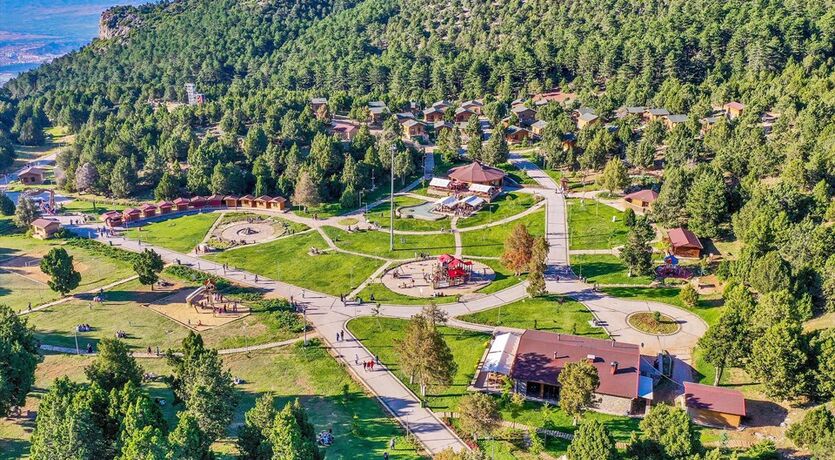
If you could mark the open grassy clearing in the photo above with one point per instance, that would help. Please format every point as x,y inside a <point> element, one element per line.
<point>506,205</point>
<point>95,208</point>
<point>516,175</point>
<point>180,234</point>
<point>289,260</point>
<point>604,269</point>
<point>381,215</point>
<point>21,279</point>
<point>504,277</point>
<point>546,313</point>
<point>376,243</point>
<point>590,225</point>
<point>489,242</point>
<point>467,348</point>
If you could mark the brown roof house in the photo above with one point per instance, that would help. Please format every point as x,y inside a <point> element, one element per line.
<point>540,357</point>
<point>413,130</point>
<point>712,406</point>
<point>538,127</point>
<point>477,173</point>
<point>654,114</point>
<point>526,116</point>
<point>734,109</point>
<point>642,198</point>
<point>587,119</point>
<point>473,105</point>
<point>516,134</point>
<point>45,229</point>
<point>344,130</point>
<point>684,243</point>
<point>671,121</point>
<point>463,115</point>
<point>31,176</point>
<point>433,114</point>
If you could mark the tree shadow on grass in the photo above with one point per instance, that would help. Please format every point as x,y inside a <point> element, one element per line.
<point>594,269</point>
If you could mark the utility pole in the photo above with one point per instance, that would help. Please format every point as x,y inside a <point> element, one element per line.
<point>391,201</point>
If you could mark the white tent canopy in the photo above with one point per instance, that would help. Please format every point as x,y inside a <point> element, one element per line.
<point>500,357</point>
<point>446,202</point>
<point>472,201</point>
<point>480,188</point>
<point>438,182</point>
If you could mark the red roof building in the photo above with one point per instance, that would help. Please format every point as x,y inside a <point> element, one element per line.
<point>165,207</point>
<point>232,201</point>
<point>477,173</point>
<point>112,218</point>
<point>247,200</point>
<point>148,210</point>
<point>197,202</point>
<point>181,204</point>
<point>215,201</point>
<point>713,406</point>
<point>684,243</point>
<point>132,214</point>
<point>642,198</point>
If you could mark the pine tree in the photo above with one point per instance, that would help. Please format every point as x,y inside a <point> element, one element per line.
<point>592,441</point>
<point>614,176</point>
<point>496,151</point>
<point>666,432</point>
<point>253,436</point>
<point>188,441</point>
<point>669,209</point>
<point>114,366</point>
<point>148,265</point>
<point>536,281</point>
<point>168,187</point>
<point>636,254</point>
<point>578,382</point>
<point>66,426</point>
<point>25,213</point>
<point>780,362</point>
<point>478,414</point>
<point>724,343</point>
<point>18,359</point>
<point>58,265</point>
<point>288,440</point>
<point>122,179</point>
<point>707,205</point>
<point>641,154</point>
<point>425,356</point>
<point>475,149</point>
<point>7,207</point>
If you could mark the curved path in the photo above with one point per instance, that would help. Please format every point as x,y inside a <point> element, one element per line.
<point>329,315</point>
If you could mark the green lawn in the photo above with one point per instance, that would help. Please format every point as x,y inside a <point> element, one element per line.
<point>289,260</point>
<point>708,309</point>
<point>381,215</point>
<point>591,227</point>
<point>504,206</point>
<point>546,313</point>
<point>384,295</point>
<point>180,234</point>
<point>467,347</point>
<point>22,282</point>
<point>121,310</point>
<point>91,207</point>
<point>604,269</point>
<point>517,175</point>
<point>504,277</point>
<point>332,399</point>
<point>376,243</point>
<point>489,242</point>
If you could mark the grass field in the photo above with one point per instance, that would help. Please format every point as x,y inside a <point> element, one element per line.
<point>377,243</point>
<point>489,242</point>
<point>467,348</point>
<point>504,277</point>
<point>506,205</point>
<point>22,282</point>
<point>91,207</point>
<point>288,260</point>
<point>546,313</point>
<point>381,215</point>
<point>604,269</point>
<point>181,234</point>
<point>709,309</point>
<point>591,227</point>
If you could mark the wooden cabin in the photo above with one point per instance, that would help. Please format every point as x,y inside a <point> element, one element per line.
<point>734,109</point>
<point>413,130</point>
<point>231,201</point>
<point>516,134</point>
<point>197,202</point>
<point>433,114</point>
<point>112,218</point>
<point>642,198</point>
<point>165,207</point>
<point>181,204</point>
<point>45,229</point>
<point>684,243</point>
<point>280,203</point>
<point>31,176</point>
<point>247,201</point>
<point>131,215</point>
<point>214,201</point>
<point>463,115</point>
<point>148,210</point>
<point>713,406</point>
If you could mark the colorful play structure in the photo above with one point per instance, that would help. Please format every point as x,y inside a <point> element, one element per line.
<point>671,269</point>
<point>450,271</point>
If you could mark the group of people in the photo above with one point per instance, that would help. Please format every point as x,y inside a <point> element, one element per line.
<point>83,328</point>
<point>105,231</point>
<point>120,334</point>
<point>340,336</point>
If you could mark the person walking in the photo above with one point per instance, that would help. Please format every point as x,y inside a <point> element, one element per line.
<point>356,359</point>
<point>391,443</point>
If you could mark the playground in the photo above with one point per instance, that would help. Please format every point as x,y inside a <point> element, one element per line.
<point>202,309</point>
<point>445,275</point>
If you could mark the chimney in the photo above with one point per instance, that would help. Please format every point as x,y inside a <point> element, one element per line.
<point>614,367</point>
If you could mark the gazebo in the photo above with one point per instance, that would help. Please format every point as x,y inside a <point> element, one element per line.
<point>477,173</point>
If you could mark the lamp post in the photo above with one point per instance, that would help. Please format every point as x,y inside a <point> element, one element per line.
<point>391,201</point>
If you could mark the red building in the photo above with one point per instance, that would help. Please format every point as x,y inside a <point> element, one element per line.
<point>181,204</point>
<point>214,201</point>
<point>197,202</point>
<point>131,215</point>
<point>165,207</point>
<point>148,210</point>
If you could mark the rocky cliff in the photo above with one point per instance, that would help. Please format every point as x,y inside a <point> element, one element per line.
<point>118,21</point>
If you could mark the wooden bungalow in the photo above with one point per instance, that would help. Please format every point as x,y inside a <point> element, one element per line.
<point>655,114</point>
<point>112,218</point>
<point>378,114</point>
<point>538,127</point>
<point>45,229</point>
<point>264,202</point>
<point>148,210</point>
<point>439,126</point>
<point>343,129</point>
<point>165,207</point>
<point>684,243</point>
<point>642,198</point>
<point>637,111</point>
<point>197,202</point>
<point>413,130</point>
<point>317,102</point>
<point>433,114</point>
<point>671,121</point>
<point>526,115</point>
<point>712,406</point>
<point>31,176</point>
<point>231,201</point>
<point>181,204</point>
<point>555,95</point>
<point>280,203</point>
<point>587,119</point>
<point>131,215</point>
<point>247,201</point>
<point>516,134</point>
<point>734,109</point>
<point>214,201</point>
<point>463,115</point>
<point>473,105</point>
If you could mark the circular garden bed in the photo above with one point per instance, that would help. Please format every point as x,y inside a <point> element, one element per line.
<point>653,322</point>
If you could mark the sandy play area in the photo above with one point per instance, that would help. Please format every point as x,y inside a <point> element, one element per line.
<point>411,279</point>
<point>199,319</point>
